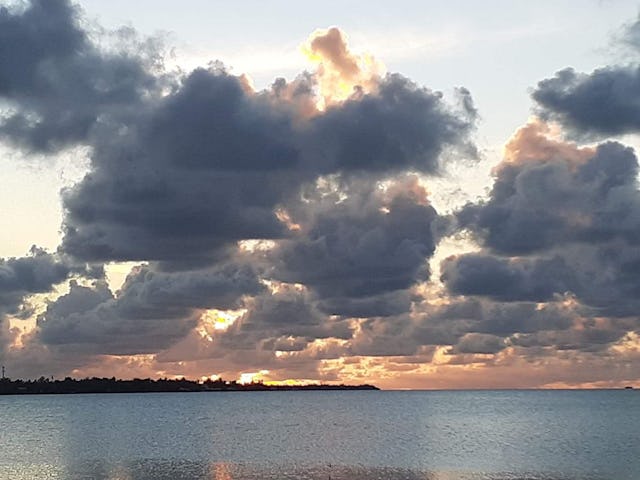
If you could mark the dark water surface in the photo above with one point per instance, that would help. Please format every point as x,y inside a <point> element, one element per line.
<point>346,435</point>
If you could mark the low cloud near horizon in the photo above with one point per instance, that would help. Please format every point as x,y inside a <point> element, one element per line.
<point>290,230</point>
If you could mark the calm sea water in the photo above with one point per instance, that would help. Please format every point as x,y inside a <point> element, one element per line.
<point>548,435</point>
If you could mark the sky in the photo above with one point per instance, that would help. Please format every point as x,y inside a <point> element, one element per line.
<point>411,194</point>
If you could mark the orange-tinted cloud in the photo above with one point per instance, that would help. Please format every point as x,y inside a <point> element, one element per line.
<point>340,72</point>
<point>540,141</point>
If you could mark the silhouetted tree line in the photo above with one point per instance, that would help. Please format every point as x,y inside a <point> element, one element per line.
<point>137,385</point>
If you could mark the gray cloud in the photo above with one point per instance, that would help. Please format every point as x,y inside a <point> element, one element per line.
<point>469,325</point>
<point>381,305</point>
<point>209,165</point>
<point>277,332</point>
<point>631,35</point>
<point>479,343</point>
<point>388,336</point>
<point>561,226</point>
<point>36,273</point>
<point>58,83</point>
<point>288,313</point>
<point>152,311</point>
<point>542,202</point>
<point>354,253</point>
<point>558,219</point>
<point>600,103</point>
<point>448,324</point>
<point>508,279</point>
<point>593,338</point>
<point>146,199</point>
<point>603,278</point>
<point>595,103</point>
<point>402,126</point>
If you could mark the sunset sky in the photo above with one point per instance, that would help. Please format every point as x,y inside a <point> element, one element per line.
<point>411,194</point>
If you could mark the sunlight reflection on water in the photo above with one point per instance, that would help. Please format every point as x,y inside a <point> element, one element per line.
<point>183,470</point>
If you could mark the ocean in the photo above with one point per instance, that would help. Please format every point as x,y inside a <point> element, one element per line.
<point>323,435</point>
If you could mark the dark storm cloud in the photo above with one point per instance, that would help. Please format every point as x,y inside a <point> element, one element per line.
<point>151,311</point>
<point>505,319</point>
<point>213,124</point>
<point>470,325</point>
<point>476,326</point>
<point>479,326</point>
<point>57,83</point>
<point>601,103</point>
<point>91,320</point>
<point>290,312</point>
<point>604,278</point>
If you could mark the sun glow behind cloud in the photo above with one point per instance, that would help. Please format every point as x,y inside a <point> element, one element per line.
<point>252,377</point>
<point>340,73</point>
<point>212,321</point>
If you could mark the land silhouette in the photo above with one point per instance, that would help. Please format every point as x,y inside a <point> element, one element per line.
<point>70,385</point>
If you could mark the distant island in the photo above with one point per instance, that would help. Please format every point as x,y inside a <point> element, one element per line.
<point>147,385</point>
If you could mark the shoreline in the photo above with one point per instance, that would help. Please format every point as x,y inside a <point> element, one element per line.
<point>70,386</point>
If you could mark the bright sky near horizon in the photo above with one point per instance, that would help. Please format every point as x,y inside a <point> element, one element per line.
<point>371,265</point>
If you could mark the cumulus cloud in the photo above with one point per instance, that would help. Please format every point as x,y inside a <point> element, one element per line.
<point>479,343</point>
<point>210,165</point>
<point>283,320</point>
<point>560,226</point>
<point>547,194</point>
<point>57,82</point>
<point>402,126</point>
<point>151,311</point>
<point>603,102</point>
<point>38,272</point>
<point>595,103</point>
<point>202,171</point>
<point>356,252</point>
<point>508,279</point>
